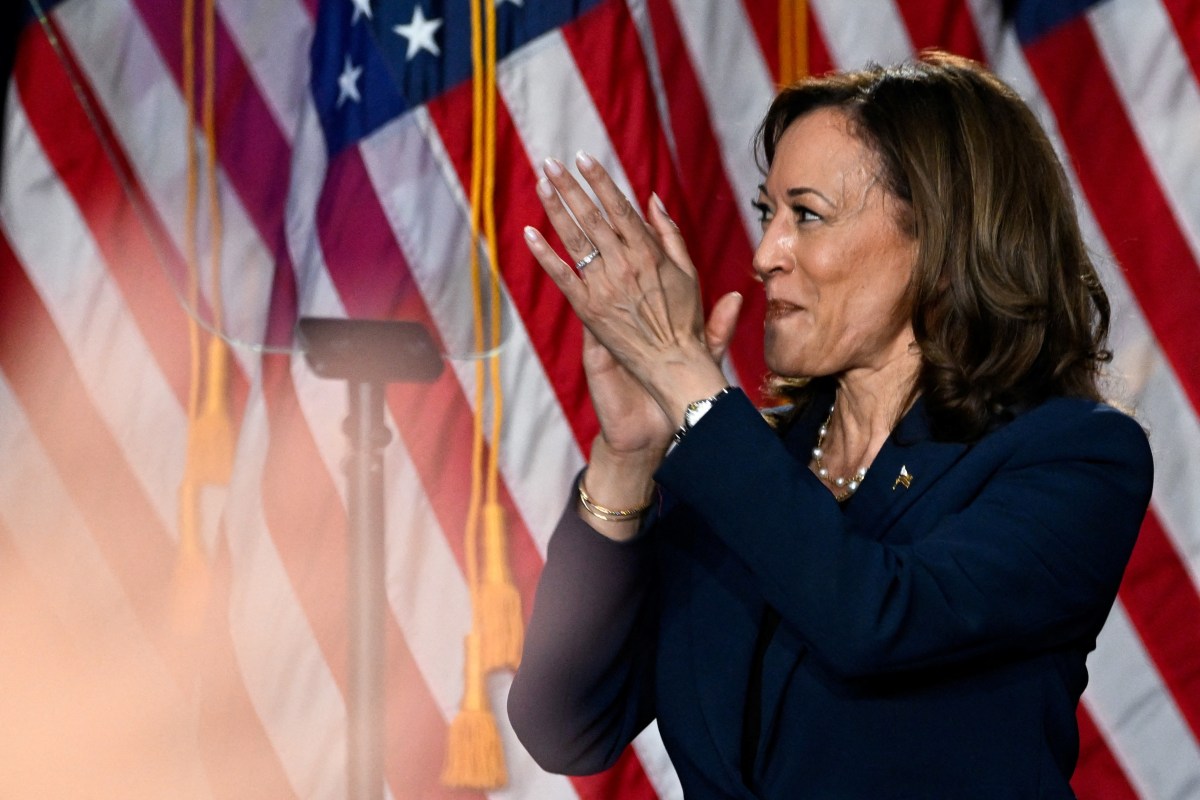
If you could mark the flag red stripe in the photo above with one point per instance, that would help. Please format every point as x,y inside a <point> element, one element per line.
<point>1185,17</point>
<point>554,331</point>
<point>1158,593</point>
<point>709,216</point>
<point>242,116</point>
<point>765,18</point>
<point>240,761</point>
<point>76,438</point>
<point>942,23</point>
<point>1140,228</point>
<point>123,224</point>
<point>819,59</point>
<point>1097,776</point>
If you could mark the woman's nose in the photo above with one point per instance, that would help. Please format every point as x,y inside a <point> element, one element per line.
<point>772,256</point>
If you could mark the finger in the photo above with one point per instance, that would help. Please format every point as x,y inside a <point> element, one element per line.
<point>559,271</point>
<point>718,332</point>
<point>576,242</point>
<point>587,215</point>
<point>669,236</point>
<point>623,216</point>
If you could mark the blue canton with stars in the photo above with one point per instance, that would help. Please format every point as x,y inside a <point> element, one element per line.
<point>373,60</point>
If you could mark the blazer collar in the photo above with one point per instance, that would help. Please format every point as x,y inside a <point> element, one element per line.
<point>907,465</point>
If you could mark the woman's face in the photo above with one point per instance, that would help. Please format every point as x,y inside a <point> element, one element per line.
<point>833,260</point>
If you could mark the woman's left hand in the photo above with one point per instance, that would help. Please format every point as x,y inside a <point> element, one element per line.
<point>640,295</point>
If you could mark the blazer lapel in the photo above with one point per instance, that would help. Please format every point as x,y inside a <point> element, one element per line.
<point>907,466</point>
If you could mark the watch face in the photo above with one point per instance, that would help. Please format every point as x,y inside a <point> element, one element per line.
<point>695,411</point>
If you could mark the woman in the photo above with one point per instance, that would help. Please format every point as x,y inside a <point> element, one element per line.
<point>890,591</point>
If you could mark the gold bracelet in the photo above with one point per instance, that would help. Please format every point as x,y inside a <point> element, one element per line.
<point>610,514</point>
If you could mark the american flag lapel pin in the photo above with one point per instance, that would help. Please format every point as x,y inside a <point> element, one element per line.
<point>904,479</point>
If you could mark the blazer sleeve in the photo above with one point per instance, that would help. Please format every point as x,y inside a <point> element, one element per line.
<point>1032,558</point>
<point>583,690</point>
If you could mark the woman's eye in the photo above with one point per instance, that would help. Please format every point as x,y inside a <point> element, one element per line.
<point>805,214</point>
<point>764,212</point>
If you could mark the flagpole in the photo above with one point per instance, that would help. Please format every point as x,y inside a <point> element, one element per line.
<point>367,595</point>
<point>368,355</point>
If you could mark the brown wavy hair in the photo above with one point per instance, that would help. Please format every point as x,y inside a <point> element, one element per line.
<point>1006,304</point>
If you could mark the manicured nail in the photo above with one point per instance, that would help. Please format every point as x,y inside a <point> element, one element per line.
<point>554,167</point>
<point>658,203</point>
<point>545,189</point>
<point>531,234</point>
<point>584,160</point>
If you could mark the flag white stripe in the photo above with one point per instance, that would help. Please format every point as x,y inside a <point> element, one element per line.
<point>1133,709</point>
<point>640,13</point>
<point>544,74</point>
<point>106,348</point>
<point>737,84</point>
<point>273,37</point>
<point>138,87</point>
<point>1151,72</point>
<point>284,671</point>
<point>852,44</point>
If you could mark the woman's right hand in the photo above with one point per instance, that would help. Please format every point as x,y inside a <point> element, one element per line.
<point>632,424</point>
<point>634,430</point>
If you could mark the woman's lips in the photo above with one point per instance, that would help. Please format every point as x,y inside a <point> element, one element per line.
<point>777,309</point>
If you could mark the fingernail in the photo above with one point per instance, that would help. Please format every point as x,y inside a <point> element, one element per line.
<point>658,203</point>
<point>531,234</point>
<point>584,160</point>
<point>545,189</point>
<point>554,167</point>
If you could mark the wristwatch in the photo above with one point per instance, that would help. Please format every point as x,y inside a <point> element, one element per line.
<point>694,411</point>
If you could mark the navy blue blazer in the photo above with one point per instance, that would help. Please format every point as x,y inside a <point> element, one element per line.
<point>923,640</point>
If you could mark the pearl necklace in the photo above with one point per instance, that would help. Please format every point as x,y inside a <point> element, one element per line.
<point>850,485</point>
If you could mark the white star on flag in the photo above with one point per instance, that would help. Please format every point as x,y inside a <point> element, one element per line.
<point>519,3</point>
<point>419,33</point>
<point>362,8</point>
<point>348,83</point>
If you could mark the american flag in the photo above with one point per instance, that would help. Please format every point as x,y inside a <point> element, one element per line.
<point>339,134</point>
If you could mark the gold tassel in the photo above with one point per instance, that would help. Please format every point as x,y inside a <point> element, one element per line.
<point>474,754</point>
<point>210,436</point>
<point>209,462</point>
<point>502,627</point>
<point>210,439</point>
<point>189,586</point>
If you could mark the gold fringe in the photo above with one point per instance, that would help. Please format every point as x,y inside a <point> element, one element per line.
<point>210,440</point>
<point>210,436</point>
<point>502,627</point>
<point>189,585</point>
<point>474,757</point>
<point>474,754</point>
